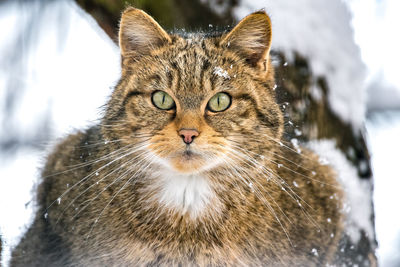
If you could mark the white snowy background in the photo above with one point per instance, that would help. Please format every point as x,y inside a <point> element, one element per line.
<point>69,67</point>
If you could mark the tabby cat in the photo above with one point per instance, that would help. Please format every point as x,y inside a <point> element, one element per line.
<point>188,166</point>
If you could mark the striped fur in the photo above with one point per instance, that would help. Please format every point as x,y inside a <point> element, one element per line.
<point>130,192</point>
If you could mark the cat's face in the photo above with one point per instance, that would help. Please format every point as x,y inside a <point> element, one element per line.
<point>195,102</point>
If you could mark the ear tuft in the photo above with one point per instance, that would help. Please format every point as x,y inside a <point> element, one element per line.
<point>251,38</point>
<point>139,33</point>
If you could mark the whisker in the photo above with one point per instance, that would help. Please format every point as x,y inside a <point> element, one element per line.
<point>257,183</point>
<point>282,165</point>
<point>105,188</point>
<point>276,178</point>
<point>123,186</point>
<point>91,175</point>
<point>106,176</point>
<point>291,193</point>
<point>270,208</point>
<point>279,142</point>
<point>88,163</point>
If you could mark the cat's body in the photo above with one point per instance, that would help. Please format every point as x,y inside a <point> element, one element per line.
<point>175,176</point>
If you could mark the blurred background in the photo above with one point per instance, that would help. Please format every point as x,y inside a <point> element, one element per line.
<point>337,80</point>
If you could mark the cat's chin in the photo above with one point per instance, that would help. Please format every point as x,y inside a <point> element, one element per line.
<point>188,162</point>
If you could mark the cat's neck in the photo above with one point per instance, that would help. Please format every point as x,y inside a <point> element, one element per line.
<point>191,194</point>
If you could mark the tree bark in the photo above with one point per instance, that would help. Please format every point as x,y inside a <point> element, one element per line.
<point>171,14</point>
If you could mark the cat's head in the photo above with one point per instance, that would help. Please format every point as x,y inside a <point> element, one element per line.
<point>195,102</point>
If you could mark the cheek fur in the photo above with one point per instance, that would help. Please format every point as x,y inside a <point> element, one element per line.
<point>247,128</point>
<point>239,120</point>
<point>141,114</point>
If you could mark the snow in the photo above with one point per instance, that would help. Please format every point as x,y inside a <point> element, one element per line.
<point>68,75</point>
<point>325,37</point>
<point>383,135</point>
<point>295,144</point>
<point>56,79</point>
<point>314,251</point>
<point>18,175</point>
<point>382,94</point>
<point>297,132</point>
<point>377,23</point>
<point>357,205</point>
<point>220,7</point>
<point>221,73</point>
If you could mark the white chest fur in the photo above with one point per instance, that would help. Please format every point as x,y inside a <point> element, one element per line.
<point>184,193</point>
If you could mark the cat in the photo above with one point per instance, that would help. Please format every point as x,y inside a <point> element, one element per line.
<point>188,166</point>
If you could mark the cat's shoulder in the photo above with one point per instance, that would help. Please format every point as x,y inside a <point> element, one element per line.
<point>73,147</point>
<point>306,169</point>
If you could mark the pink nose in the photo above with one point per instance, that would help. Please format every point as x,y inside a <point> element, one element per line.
<point>188,135</point>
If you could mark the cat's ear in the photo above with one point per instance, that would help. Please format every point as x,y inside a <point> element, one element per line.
<point>251,37</point>
<point>139,33</point>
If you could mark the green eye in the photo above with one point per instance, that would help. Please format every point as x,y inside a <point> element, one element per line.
<point>219,102</point>
<point>162,100</point>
